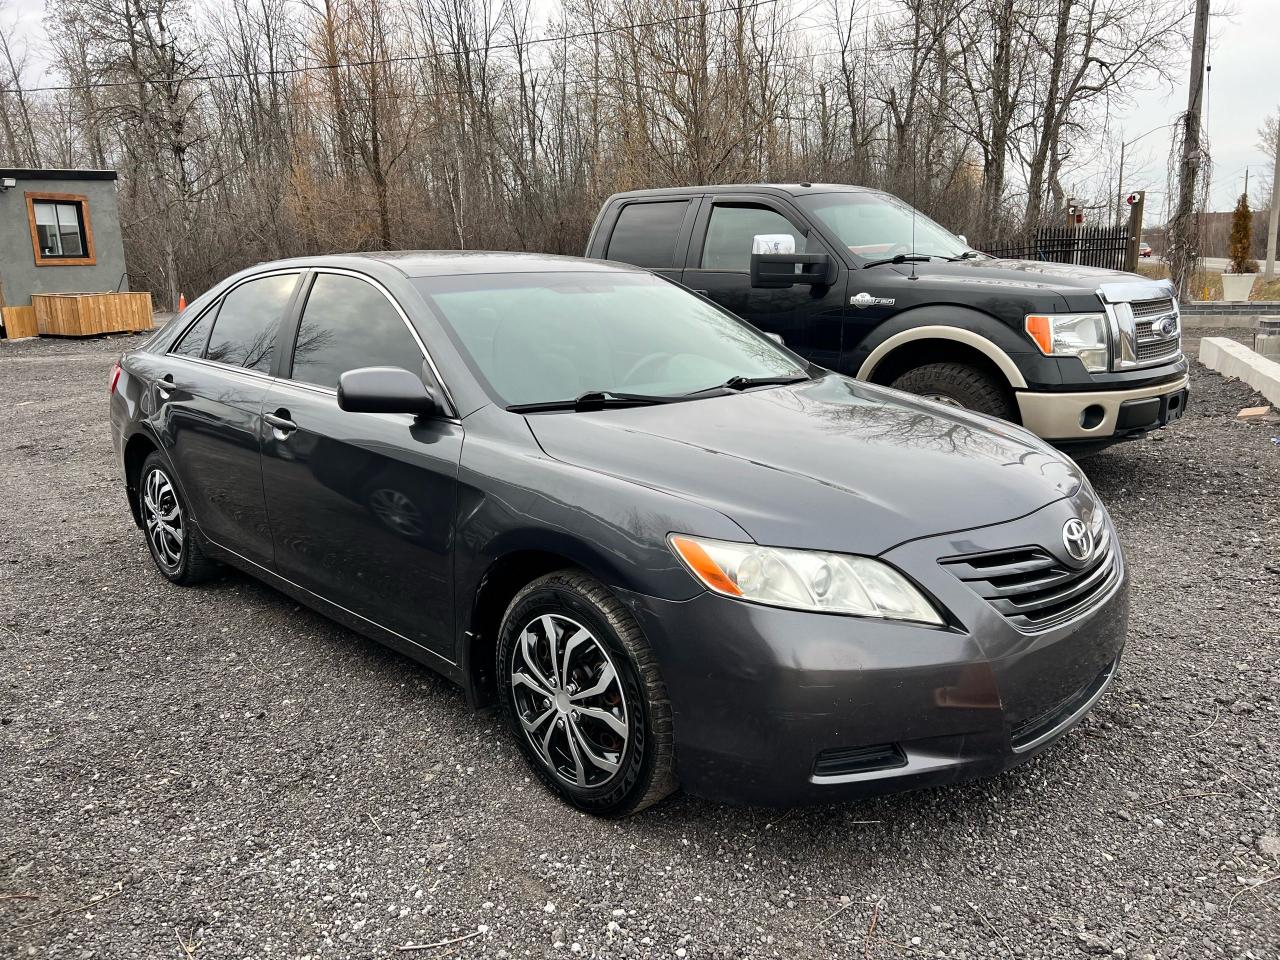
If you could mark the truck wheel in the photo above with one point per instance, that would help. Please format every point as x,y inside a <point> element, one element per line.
<point>958,385</point>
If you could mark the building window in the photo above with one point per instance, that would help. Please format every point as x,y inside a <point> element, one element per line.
<point>60,231</point>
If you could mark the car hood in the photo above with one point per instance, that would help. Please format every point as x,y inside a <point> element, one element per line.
<point>1065,278</point>
<point>829,464</point>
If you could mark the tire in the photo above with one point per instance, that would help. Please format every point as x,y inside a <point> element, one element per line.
<point>179,556</point>
<point>633,768</point>
<point>960,385</point>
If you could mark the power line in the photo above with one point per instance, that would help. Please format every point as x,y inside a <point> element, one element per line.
<point>387,61</point>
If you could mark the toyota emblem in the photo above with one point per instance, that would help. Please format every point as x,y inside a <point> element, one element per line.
<point>1077,538</point>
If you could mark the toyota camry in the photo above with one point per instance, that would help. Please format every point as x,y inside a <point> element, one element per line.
<point>671,551</point>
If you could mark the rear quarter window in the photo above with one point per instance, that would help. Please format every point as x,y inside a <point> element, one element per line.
<point>645,233</point>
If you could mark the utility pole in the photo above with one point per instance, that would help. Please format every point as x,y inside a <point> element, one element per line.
<point>1183,258</point>
<point>1120,209</point>
<point>1273,222</point>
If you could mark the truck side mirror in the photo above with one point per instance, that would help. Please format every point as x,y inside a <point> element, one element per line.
<point>788,269</point>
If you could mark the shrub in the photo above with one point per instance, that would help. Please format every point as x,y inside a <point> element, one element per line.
<point>1240,245</point>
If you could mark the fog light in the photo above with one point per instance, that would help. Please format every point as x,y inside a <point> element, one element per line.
<point>1092,416</point>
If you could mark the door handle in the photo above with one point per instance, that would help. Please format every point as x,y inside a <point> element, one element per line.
<point>280,423</point>
<point>164,391</point>
<point>705,293</point>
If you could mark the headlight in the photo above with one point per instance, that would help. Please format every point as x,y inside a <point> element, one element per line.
<point>804,579</point>
<point>1082,335</point>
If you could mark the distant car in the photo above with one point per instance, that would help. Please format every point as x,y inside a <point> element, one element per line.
<point>1144,249</point>
<point>670,549</point>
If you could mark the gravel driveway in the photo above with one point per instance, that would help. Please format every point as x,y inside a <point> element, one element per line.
<point>217,772</point>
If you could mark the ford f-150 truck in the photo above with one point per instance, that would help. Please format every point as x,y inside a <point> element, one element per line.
<point>857,281</point>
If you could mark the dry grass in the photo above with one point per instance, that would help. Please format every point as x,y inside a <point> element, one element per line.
<point>1205,284</point>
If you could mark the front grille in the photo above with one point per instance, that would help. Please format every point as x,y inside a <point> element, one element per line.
<point>847,760</point>
<point>1026,732</point>
<point>1032,588</point>
<point>1149,350</point>
<point>1151,308</point>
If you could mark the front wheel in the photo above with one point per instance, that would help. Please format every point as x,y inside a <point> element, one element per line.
<point>583,697</point>
<point>958,385</point>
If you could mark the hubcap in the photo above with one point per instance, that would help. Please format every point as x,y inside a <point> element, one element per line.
<point>163,519</point>
<point>568,698</point>
<point>943,399</point>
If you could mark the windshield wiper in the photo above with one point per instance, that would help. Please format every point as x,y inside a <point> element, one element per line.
<point>743,383</point>
<point>593,400</point>
<point>906,258</point>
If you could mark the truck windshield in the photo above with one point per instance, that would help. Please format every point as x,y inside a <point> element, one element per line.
<point>874,225</point>
<point>540,338</point>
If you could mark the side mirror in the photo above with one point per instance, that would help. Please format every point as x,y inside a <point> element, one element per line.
<point>385,390</point>
<point>963,239</point>
<point>788,269</point>
<point>776,338</point>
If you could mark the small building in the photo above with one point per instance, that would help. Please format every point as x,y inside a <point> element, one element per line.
<point>59,233</point>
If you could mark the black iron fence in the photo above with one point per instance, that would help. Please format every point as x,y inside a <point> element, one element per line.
<point>1089,246</point>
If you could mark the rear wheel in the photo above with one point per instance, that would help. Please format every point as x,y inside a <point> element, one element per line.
<point>174,543</point>
<point>582,695</point>
<point>958,385</point>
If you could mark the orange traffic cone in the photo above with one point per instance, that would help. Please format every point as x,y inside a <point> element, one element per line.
<point>182,302</point>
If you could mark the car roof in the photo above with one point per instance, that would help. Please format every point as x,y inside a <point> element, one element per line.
<point>442,263</point>
<point>784,189</point>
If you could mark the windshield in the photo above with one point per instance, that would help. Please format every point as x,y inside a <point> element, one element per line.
<point>545,337</point>
<point>875,225</point>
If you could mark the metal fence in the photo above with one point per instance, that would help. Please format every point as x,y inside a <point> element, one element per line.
<point>1089,246</point>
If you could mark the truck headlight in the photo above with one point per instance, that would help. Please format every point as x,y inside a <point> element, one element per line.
<point>804,579</point>
<point>1082,335</point>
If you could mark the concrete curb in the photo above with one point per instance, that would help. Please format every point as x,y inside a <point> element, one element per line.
<point>1233,359</point>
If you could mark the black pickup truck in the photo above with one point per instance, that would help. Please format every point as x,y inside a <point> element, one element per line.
<point>857,281</point>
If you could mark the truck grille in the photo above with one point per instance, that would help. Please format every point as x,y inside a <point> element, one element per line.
<point>1032,588</point>
<point>1152,349</point>
<point>1151,308</point>
<point>1150,346</point>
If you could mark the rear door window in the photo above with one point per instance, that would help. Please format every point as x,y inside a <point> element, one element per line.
<point>244,333</point>
<point>733,227</point>
<point>646,233</point>
<point>193,341</point>
<point>347,324</point>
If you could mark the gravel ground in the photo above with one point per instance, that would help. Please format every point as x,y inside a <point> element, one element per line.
<point>216,772</point>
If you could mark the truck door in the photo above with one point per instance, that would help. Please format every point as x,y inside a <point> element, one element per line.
<point>653,234</point>
<point>809,318</point>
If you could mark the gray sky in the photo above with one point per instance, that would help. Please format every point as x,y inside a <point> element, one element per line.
<point>1244,86</point>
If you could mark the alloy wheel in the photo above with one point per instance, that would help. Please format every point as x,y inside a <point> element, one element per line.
<point>569,700</point>
<point>162,515</point>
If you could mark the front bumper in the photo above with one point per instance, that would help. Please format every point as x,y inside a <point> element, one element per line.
<point>764,699</point>
<point>1103,414</point>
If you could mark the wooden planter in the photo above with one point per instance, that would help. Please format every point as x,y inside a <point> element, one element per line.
<point>19,322</point>
<point>91,314</point>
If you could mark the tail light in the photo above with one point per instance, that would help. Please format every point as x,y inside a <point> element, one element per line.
<point>115,376</point>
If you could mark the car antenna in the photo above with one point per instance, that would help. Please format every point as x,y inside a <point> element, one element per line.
<point>915,197</point>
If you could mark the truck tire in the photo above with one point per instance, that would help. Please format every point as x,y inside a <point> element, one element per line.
<point>958,385</point>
